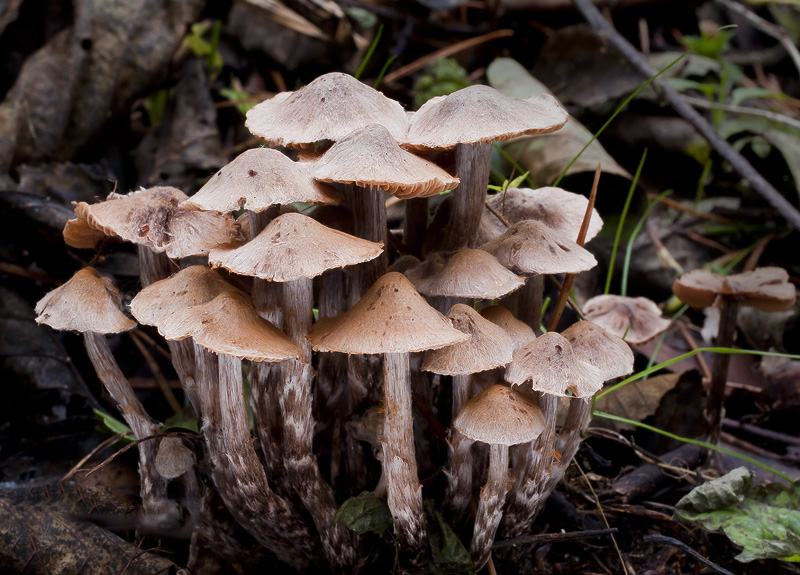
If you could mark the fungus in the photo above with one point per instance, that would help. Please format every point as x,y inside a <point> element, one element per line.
<point>637,319</point>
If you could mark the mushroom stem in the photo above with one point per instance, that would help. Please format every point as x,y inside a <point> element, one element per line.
<point>237,472</point>
<point>529,302</point>
<point>403,488</point>
<point>415,225</point>
<point>532,470</point>
<point>461,393</point>
<point>459,476</point>
<point>719,369</point>
<point>490,508</point>
<point>153,487</point>
<point>369,213</point>
<point>472,164</point>
<point>298,430</point>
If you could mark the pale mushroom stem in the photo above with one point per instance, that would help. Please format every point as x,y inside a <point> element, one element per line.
<point>532,470</point>
<point>237,472</point>
<point>298,430</point>
<point>490,507</point>
<point>459,476</point>
<point>461,393</point>
<point>530,298</point>
<point>472,165</point>
<point>719,369</point>
<point>415,225</point>
<point>369,213</point>
<point>404,491</point>
<point>153,487</point>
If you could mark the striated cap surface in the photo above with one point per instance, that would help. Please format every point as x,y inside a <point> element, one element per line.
<point>521,333</point>
<point>500,416</point>
<point>594,345</point>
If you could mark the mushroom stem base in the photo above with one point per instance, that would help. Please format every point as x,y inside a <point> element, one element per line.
<point>490,507</point>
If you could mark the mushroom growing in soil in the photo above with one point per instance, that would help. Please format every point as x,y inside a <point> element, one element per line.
<point>767,289</point>
<point>637,319</point>
<point>394,320</point>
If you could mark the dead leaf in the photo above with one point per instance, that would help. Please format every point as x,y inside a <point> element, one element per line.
<point>637,400</point>
<point>42,532</point>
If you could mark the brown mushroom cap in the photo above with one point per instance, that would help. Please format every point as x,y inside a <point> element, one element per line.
<point>489,346</point>
<point>550,364</point>
<point>558,209</point>
<point>294,246</point>
<point>258,179</point>
<point>767,289</point>
<point>531,247</point>
<point>521,333</point>
<point>465,273</point>
<point>391,318</point>
<point>329,108</point>
<point>639,317</point>
<point>79,234</point>
<point>594,345</point>
<point>481,114</point>
<point>229,325</point>
<point>500,416</point>
<point>189,287</point>
<point>154,218</point>
<point>370,157</point>
<point>87,302</point>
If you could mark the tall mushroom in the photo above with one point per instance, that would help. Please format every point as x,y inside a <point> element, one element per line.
<point>394,320</point>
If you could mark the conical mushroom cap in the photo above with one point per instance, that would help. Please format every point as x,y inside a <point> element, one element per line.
<point>87,302</point>
<point>154,218</point>
<point>79,234</point>
<point>499,415</point>
<point>260,178</point>
<point>329,108</point>
<point>294,246</point>
<point>189,287</point>
<point>489,346</point>
<point>520,332</point>
<point>481,114</point>
<point>465,273</point>
<point>370,157</point>
<point>531,247</point>
<point>558,209</point>
<point>638,317</point>
<point>391,318</point>
<point>607,352</point>
<point>767,288</point>
<point>229,325</point>
<point>550,364</point>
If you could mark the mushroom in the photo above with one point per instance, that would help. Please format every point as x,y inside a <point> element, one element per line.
<point>65,308</point>
<point>521,333</point>
<point>767,289</point>
<point>637,319</point>
<point>488,347</point>
<point>468,120</point>
<point>394,320</point>
<point>500,417</point>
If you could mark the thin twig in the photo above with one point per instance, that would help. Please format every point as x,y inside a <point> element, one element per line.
<point>723,148</point>
<point>161,381</point>
<point>767,27</point>
<point>110,441</point>
<point>758,251</point>
<point>655,538</point>
<point>761,432</point>
<point>498,215</point>
<point>444,53</point>
<point>678,206</point>
<point>704,104</point>
<point>555,537</point>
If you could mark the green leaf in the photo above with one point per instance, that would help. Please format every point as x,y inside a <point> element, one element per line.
<point>244,101</point>
<point>516,182</point>
<point>448,556</point>
<point>764,519</point>
<point>112,426</point>
<point>185,419</point>
<point>739,95</point>
<point>365,513</point>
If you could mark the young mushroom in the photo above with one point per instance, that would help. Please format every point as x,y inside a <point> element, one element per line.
<point>637,319</point>
<point>767,289</point>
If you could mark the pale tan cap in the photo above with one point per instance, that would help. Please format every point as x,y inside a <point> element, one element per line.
<point>499,415</point>
<point>329,108</point>
<point>370,157</point>
<point>489,346</point>
<point>481,114</point>
<point>465,273</point>
<point>607,352</point>
<point>558,209</point>
<point>639,317</point>
<point>549,363</point>
<point>521,333</point>
<point>87,302</point>
<point>531,247</point>
<point>294,246</point>
<point>391,318</point>
<point>189,287</point>
<point>79,234</point>
<point>767,289</point>
<point>154,218</point>
<point>260,178</point>
<point>229,325</point>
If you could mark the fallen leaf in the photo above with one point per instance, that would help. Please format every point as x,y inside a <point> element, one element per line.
<point>637,400</point>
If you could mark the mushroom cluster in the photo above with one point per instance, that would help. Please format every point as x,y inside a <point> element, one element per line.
<point>326,331</point>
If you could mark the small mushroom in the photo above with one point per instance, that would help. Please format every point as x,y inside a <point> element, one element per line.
<point>636,319</point>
